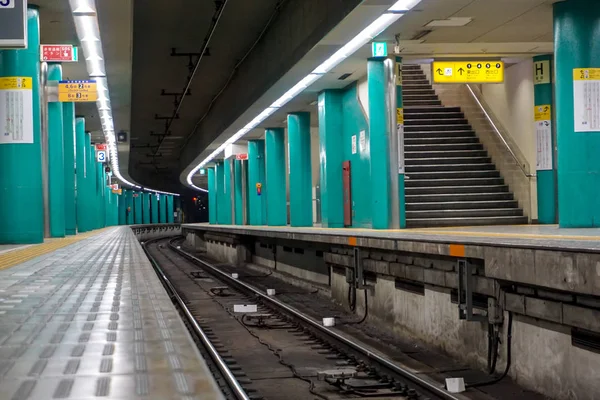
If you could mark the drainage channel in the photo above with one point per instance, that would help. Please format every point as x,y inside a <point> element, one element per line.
<point>271,346</point>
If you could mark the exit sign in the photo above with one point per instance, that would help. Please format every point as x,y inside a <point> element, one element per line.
<point>58,53</point>
<point>379,49</point>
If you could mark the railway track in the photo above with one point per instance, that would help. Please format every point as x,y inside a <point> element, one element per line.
<point>270,350</point>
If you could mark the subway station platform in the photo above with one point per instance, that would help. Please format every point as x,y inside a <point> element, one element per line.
<point>91,319</point>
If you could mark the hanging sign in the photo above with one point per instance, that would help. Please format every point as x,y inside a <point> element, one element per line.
<point>58,52</point>
<point>241,156</point>
<point>100,146</point>
<point>119,191</point>
<point>586,99</point>
<point>379,49</point>
<point>468,71</point>
<point>541,72</point>
<point>543,135</point>
<point>77,91</point>
<point>16,109</point>
<point>13,20</point>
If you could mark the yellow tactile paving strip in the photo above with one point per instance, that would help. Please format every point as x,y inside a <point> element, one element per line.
<point>18,256</point>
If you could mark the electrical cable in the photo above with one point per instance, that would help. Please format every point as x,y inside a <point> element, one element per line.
<point>508,358</point>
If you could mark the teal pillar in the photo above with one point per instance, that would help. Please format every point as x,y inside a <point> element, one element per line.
<point>543,107</point>
<point>383,143</point>
<point>227,192</point>
<point>400,136</point>
<point>154,208</point>
<point>177,205</point>
<point>130,207</point>
<point>212,196</point>
<point>220,182</point>
<point>275,177</point>
<point>81,171</point>
<point>300,169</point>
<point>91,178</point>
<point>146,208</point>
<point>170,209</point>
<point>162,210</point>
<point>21,193</point>
<point>577,62</point>
<point>100,185</point>
<point>257,185</point>
<point>122,206</point>
<point>108,207</point>
<point>137,207</point>
<point>238,177</point>
<point>69,168</point>
<point>56,166</point>
<point>331,150</point>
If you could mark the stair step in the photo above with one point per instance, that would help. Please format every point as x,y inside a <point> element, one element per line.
<point>410,169</point>
<point>459,190</point>
<point>430,110</point>
<point>435,175</point>
<point>442,135</point>
<point>463,197</point>
<point>445,154</point>
<point>445,161</point>
<point>409,147</point>
<point>417,91</point>
<point>466,213</point>
<point>437,128</point>
<point>453,182</point>
<point>422,81</point>
<point>433,116</point>
<point>459,205</point>
<point>435,121</point>
<point>476,221</point>
<point>436,140</point>
<point>408,85</point>
<point>420,96</point>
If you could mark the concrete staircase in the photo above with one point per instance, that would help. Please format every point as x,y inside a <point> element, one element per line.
<point>451,180</point>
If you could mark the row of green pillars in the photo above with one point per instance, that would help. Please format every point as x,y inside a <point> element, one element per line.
<point>139,207</point>
<point>77,197</point>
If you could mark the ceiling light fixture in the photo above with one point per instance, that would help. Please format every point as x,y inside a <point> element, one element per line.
<point>88,32</point>
<point>392,14</point>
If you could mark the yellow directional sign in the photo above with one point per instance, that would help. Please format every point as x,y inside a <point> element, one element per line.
<point>77,91</point>
<point>16,82</point>
<point>542,113</point>
<point>468,71</point>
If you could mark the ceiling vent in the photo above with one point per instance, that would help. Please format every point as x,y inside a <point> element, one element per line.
<point>344,76</point>
<point>452,21</point>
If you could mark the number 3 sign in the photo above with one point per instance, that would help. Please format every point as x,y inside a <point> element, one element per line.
<point>101,156</point>
<point>7,3</point>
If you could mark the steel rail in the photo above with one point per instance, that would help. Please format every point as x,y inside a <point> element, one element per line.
<point>232,382</point>
<point>437,390</point>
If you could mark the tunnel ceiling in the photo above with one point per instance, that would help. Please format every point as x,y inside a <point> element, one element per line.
<point>254,43</point>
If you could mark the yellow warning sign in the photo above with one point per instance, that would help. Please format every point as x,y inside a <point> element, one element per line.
<point>77,91</point>
<point>468,71</point>
<point>586,74</point>
<point>400,116</point>
<point>541,72</point>
<point>542,112</point>
<point>77,97</point>
<point>16,82</point>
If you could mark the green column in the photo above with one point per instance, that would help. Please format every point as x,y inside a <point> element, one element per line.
<point>543,107</point>
<point>100,180</point>
<point>170,209</point>
<point>56,167</point>
<point>122,208</point>
<point>257,204</point>
<point>129,206</point>
<point>212,196</point>
<point>146,208</point>
<point>220,182</point>
<point>227,192</point>
<point>162,210</point>
<point>92,209</point>
<point>69,168</point>
<point>21,193</point>
<point>383,143</point>
<point>300,169</point>
<point>576,38</point>
<point>108,207</point>
<point>155,208</point>
<point>331,150</point>
<point>81,169</point>
<point>400,133</point>
<point>275,177</point>
<point>238,177</point>
<point>137,208</point>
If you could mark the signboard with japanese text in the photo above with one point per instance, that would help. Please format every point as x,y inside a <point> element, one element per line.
<point>58,53</point>
<point>77,91</point>
<point>468,71</point>
<point>16,110</point>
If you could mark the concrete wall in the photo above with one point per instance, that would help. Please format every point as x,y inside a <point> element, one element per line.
<point>512,104</point>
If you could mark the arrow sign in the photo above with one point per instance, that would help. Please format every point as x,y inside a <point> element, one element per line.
<point>461,70</point>
<point>546,109</point>
<point>439,71</point>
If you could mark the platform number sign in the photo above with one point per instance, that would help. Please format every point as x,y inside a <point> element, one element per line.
<point>7,3</point>
<point>101,156</point>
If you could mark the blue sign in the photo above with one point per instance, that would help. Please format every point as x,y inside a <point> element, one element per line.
<point>379,49</point>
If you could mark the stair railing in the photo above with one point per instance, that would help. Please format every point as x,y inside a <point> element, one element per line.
<point>523,164</point>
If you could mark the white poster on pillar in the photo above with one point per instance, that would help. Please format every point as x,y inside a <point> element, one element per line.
<point>586,99</point>
<point>16,110</point>
<point>543,132</point>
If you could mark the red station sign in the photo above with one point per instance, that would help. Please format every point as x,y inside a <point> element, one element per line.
<point>241,156</point>
<point>100,146</point>
<point>58,53</point>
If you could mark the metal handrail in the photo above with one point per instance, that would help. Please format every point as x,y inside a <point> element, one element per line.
<point>499,134</point>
